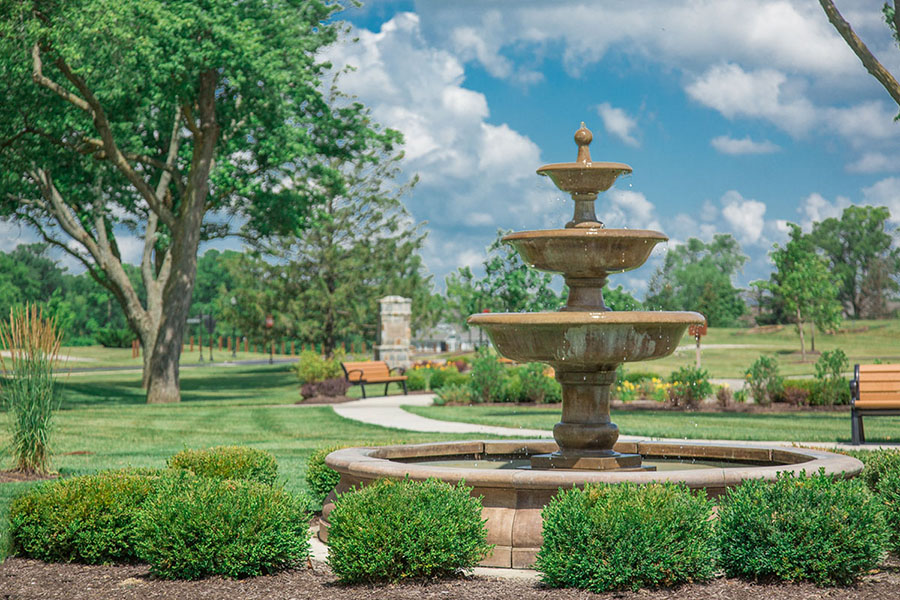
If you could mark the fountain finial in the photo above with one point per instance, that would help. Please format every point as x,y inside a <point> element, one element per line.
<point>583,138</point>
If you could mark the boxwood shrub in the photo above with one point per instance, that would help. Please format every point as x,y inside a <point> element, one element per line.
<point>627,536</point>
<point>193,527</point>
<point>801,528</point>
<point>228,462</point>
<point>393,530</point>
<point>320,477</point>
<point>88,519</point>
<point>889,493</point>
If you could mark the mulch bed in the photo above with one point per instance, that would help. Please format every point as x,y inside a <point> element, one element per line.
<point>16,476</point>
<point>22,579</point>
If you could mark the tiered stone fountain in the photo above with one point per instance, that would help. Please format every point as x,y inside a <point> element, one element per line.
<point>584,342</point>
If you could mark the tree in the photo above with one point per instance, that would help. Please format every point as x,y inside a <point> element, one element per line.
<point>858,250</point>
<point>169,120</point>
<point>27,276</point>
<point>872,65</point>
<point>697,276</point>
<point>508,285</point>
<point>804,283</point>
<point>324,286</point>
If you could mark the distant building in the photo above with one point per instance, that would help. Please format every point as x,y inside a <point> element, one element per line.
<point>446,337</point>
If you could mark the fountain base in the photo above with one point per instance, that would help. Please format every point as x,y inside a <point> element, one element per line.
<point>604,460</point>
<point>513,497</point>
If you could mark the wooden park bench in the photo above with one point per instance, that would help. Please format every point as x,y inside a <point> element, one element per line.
<point>874,391</point>
<point>371,371</point>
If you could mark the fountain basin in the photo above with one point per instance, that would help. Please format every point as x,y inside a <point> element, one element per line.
<point>588,340</point>
<point>583,176</point>
<point>513,498</point>
<point>585,253</point>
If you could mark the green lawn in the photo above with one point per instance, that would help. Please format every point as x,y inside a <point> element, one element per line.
<point>104,423</point>
<point>798,427</point>
<point>862,341</point>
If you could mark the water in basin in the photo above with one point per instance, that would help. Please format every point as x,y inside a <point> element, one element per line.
<point>661,464</point>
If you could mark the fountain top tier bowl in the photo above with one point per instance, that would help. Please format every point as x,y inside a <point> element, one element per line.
<point>584,176</point>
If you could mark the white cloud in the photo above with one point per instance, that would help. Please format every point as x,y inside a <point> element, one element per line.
<point>885,193</point>
<point>12,234</point>
<point>874,162</point>
<point>734,92</point>
<point>746,217</point>
<point>627,208</point>
<point>816,208</point>
<point>862,122</point>
<point>475,176</point>
<point>618,123</point>
<point>729,145</point>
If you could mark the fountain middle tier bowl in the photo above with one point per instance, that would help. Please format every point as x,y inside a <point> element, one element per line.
<point>586,341</point>
<point>585,253</point>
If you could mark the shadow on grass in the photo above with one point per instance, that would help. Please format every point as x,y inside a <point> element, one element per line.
<point>196,385</point>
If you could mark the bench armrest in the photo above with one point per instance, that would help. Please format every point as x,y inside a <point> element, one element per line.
<point>854,390</point>
<point>400,370</point>
<point>347,373</point>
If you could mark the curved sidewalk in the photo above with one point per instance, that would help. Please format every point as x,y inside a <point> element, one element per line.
<point>386,411</point>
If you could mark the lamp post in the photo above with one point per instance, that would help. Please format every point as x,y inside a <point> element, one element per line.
<point>270,322</point>
<point>200,340</point>
<point>233,338</point>
<point>211,329</point>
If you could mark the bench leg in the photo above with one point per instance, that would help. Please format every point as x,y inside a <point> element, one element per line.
<point>363,386</point>
<point>856,435</point>
<point>404,388</point>
<point>386,387</point>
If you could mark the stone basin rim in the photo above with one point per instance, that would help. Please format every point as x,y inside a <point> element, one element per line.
<point>376,462</point>
<point>587,232</point>
<point>580,166</point>
<point>579,318</point>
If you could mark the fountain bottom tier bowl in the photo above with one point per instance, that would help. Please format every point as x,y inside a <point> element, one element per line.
<point>513,493</point>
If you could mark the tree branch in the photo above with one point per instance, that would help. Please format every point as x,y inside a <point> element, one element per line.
<point>91,105</point>
<point>884,77</point>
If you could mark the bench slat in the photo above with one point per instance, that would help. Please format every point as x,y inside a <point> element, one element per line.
<point>866,386</point>
<point>879,404</point>
<point>879,368</point>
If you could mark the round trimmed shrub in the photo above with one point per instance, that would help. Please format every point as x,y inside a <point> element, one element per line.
<point>393,530</point>
<point>228,462</point>
<point>321,478</point>
<point>626,536</point>
<point>193,527</point>
<point>88,519</point>
<point>878,464</point>
<point>801,528</point>
<point>889,493</point>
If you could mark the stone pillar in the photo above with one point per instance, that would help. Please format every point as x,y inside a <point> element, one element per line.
<point>393,331</point>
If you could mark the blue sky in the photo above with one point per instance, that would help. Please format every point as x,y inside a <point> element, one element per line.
<point>736,116</point>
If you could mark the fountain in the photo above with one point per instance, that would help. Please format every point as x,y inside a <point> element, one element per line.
<point>584,342</point>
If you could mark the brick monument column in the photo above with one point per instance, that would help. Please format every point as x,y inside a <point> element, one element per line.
<point>393,331</point>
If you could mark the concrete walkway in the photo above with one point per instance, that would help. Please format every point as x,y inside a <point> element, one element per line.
<point>387,411</point>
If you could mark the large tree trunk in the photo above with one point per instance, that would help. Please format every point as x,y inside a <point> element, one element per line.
<point>179,288</point>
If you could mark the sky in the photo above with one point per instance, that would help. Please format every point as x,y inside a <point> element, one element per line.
<point>736,116</point>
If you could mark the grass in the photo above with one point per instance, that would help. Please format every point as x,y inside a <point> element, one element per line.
<point>798,427</point>
<point>104,423</point>
<point>862,341</point>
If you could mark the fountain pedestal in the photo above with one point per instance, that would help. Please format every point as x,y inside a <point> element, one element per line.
<point>586,435</point>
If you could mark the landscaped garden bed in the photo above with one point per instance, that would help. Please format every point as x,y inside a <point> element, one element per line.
<point>25,579</point>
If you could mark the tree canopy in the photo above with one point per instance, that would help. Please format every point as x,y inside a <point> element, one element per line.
<point>698,276</point>
<point>859,251</point>
<point>174,121</point>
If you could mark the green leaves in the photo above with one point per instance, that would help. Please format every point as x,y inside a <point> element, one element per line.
<point>697,276</point>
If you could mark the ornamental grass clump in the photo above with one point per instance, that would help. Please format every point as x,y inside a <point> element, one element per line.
<point>193,527</point>
<point>801,528</point>
<point>393,530</point>
<point>30,345</point>
<point>88,519</point>
<point>228,462</point>
<point>626,537</point>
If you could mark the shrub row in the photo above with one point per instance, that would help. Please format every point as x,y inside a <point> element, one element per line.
<point>803,528</point>
<point>213,512</point>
